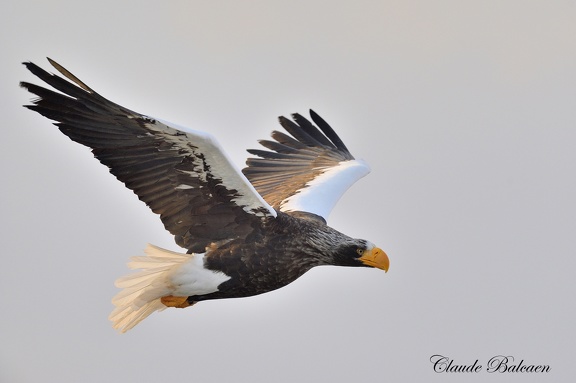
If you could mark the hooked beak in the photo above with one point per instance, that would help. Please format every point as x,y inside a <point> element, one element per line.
<point>375,258</point>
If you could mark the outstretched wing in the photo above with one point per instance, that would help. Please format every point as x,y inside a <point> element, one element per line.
<point>307,172</point>
<point>182,175</point>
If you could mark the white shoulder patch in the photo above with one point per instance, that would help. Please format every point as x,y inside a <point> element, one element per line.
<point>218,161</point>
<point>321,194</point>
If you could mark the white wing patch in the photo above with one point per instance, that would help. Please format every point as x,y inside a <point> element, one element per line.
<point>205,145</point>
<point>320,195</point>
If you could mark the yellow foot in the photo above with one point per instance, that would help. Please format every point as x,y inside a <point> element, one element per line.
<point>172,301</point>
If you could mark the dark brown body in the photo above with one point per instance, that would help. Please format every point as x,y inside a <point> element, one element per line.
<point>272,259</point>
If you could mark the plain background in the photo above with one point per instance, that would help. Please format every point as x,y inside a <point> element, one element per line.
<point>464,109</point>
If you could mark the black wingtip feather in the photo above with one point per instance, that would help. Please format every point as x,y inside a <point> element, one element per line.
<point>56,82</point>
<point>300,131</point>
<point>328,131</point>
<point>312,130</point>
<point>69,75</point>
<point>74,87</point>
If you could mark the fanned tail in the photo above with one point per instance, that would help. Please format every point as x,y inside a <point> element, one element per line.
<point>142,290</point>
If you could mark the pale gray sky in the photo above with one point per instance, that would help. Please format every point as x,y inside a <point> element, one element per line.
<point>466,111</point>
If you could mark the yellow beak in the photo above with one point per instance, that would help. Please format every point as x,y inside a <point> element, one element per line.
<point>376,258</point>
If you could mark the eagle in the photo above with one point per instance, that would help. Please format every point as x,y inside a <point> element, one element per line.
<point>245,233</point>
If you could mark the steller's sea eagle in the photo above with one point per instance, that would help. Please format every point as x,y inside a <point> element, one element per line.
<point>246,232</point>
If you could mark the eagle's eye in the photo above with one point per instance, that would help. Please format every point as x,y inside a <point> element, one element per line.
<point>360,251</point>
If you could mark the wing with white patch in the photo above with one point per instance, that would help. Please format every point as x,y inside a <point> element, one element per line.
<point>183,176</point>
<point>308,171</point>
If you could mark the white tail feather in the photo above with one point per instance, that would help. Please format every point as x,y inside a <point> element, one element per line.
<point>142,290</point>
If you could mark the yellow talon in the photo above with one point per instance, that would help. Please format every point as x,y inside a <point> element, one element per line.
<point>172,301</point>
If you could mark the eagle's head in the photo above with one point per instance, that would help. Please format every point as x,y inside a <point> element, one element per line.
<point>360,252</point>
